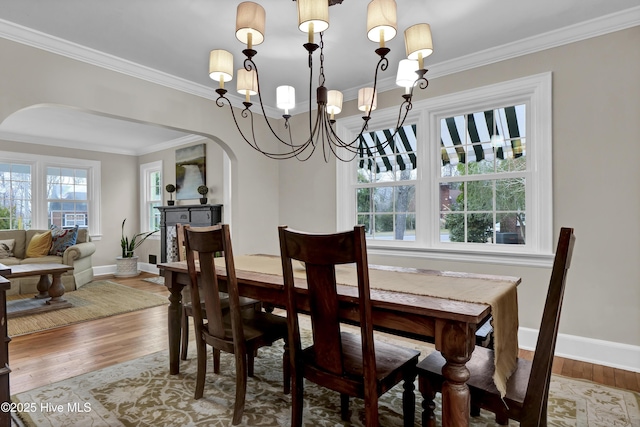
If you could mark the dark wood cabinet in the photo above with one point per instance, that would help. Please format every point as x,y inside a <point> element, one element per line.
<point>194,215</point>
<point>5,395</point>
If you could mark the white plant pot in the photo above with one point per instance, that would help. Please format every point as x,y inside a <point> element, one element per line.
<point>127,267</point>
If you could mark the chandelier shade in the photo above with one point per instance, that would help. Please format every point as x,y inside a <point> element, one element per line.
<point>221,66</point>
<point>367,99</point>
<point>418,42</point>
<point>334,102</point>
<point>381,21</point>
<point>285,98</point>
<point>247,82</point>
<point>250,23</point>
<point>406,76</point>
<point>313,17</point>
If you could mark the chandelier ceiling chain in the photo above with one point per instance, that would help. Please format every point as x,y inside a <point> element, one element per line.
<point>313,17</point>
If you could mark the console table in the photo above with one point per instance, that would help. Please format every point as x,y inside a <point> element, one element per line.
<point>194,215</point>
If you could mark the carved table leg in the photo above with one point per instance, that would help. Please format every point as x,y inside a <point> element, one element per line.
<point>175,319</point>
<point>56,290</point>
<point>456,342</point>
<point>43,287</point>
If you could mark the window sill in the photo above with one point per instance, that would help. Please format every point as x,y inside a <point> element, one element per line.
<point>503,258</point>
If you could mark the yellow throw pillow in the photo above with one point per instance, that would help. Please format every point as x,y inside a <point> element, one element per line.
<point>39,245</point>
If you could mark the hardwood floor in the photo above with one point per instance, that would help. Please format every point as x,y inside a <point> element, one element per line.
<point>49,356</point>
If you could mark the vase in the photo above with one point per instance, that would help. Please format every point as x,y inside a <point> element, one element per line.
<point>170,202</point>
<point>203,200</point>
<point>127,267</point>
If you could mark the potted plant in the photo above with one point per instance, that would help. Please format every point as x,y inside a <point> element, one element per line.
<point>170,189</point>
<point>127,264</point>
<point>203,190</point>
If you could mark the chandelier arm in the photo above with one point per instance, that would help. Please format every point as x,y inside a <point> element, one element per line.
<point>249,65</point>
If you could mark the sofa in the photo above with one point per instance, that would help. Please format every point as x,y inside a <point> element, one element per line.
<point>77,256</point>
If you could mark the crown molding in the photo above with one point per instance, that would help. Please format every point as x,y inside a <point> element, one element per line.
<point>588,29</point>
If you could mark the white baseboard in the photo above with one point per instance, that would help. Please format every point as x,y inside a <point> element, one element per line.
<point>599,352</point>
<point>111,269</point>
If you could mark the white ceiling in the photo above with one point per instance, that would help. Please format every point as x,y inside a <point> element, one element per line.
<point>168,41</point>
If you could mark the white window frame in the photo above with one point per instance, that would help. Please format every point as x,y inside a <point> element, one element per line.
<point>535,93</point>
<point>146,169</point>
<point>39,164</point>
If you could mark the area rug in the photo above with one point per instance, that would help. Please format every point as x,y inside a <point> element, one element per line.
<point>159,280</point>
<point>142,393</point>
<point>92,301</point>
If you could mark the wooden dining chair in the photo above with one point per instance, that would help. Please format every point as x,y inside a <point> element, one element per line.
<point>528,386</point>
<point>237,331</point>
<point>187,308</point>
<point>351,364</point>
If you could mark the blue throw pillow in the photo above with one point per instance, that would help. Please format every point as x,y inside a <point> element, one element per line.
<point>62,238</point>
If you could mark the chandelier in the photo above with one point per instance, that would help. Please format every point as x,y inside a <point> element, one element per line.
<point>313,17</point>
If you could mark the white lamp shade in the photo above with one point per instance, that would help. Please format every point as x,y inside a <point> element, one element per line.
<point>250,21</point>
<point>247,82</point>
<point>417,39</point>
<point>365,97</point>
<point>381,20</point>
<point>407,76</point>
<point>334,102</point>
<point>221,65</point>
<point>286,97</point>
<point>314,12</point>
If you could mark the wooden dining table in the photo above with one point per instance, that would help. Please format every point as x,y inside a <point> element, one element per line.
<point>447,322</point>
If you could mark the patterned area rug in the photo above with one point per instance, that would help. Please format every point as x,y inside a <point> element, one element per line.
<point>142,393</point>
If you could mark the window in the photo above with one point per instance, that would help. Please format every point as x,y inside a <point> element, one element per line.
<point>39,191</point>
<point>67,196</point>
<point>482,182</point>
<point>483,189</point>
<point>385,189</point>
<point>151,183</point>
<point>15,196</point>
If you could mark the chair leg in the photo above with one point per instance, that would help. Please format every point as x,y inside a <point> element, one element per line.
<point>185,335</point>
<point>251,354</point>
<point>428,404</point>
<point>201,347</point>
<point>344,407</point>
<point>286,370</point>
<point>216,361</point>
<point>409,399</point>
<point>297,392</point>
<point>241,388</point>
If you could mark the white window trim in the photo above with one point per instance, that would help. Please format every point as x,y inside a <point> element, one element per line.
<point>39,164</point>
<point>536,92</point>
<point>145,169</point>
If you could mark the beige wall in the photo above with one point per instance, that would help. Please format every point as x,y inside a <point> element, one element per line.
<point>596,183</point>
<point>595,150</point>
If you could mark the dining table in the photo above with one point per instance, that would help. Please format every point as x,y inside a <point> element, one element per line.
<point>441,307</point>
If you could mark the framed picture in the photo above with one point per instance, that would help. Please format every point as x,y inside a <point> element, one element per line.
<point>191,171</point>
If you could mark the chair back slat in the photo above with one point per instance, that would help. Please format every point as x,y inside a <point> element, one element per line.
<point>202,244</point>
<point>534,405</point>
<point>321,253</point>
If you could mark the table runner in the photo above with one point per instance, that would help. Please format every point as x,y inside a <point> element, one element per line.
<point>497,291</point>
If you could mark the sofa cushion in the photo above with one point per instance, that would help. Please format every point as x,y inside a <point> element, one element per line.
<point>39,245</point>
<point>62,238</point>
<point>6,248</point>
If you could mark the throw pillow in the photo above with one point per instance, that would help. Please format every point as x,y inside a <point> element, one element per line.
<point>6,248</point>
<point>39,245</point>
<point>62,238</point>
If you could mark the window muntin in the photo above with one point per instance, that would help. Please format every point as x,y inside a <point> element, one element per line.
<point>385,191</point>
<point>15,196</point>
<point>475,147</point>
<point>67,196</point>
